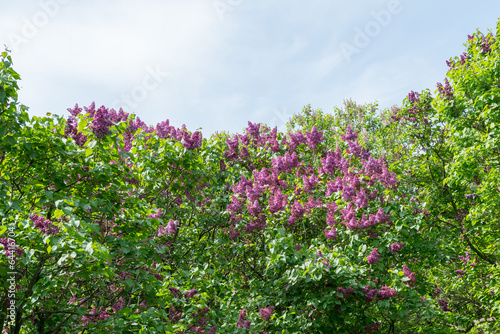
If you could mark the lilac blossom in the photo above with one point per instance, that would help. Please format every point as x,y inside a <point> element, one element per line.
<point>333,187</point>
<point>313,138</point>
<point>331,234</point>
<point>310,183</point>
<point>444,305</point>
<point>242,322</point>
<point>486,43</point>
<point>354,148</point>
<point>445,91</point>
<point>171,227</point>
<point>413,97</point>
<point>75,111</point>
<point>412,276</point>
<point>329,164</point>
<point>374,257</point>
<point>277,201</point>
<point>44,225</point>
<point>190,294</point>
<point>385,293</point>
<point>118,306</point>
<point>396,247</point>
<point>361,200</point>
<point>192,142</point>
<point>349,135</point>
<point>101,123</point>
<point>266,313</point>
<point>373,327</point>
<point>254,209</point>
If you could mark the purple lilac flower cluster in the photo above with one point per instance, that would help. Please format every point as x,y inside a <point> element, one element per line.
<point>349,291</point>
<point>445,91</point>
<point>101,122</point>
<point>444,305</point>
<point>44,225</point>
<point>396,247</point>
<point>374,257</point>
<point>242,322</point>
<point>414,97</point>
<point>170,229</point>
<point>373,327</point>
<point>5,243</point>
<point>412,276</point>
<point>266,313</point>
<point>72,127</point>
<point>486,43</point>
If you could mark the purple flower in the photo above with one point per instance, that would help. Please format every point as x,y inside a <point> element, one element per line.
<point>463,57</point>
<point>266,313</point>
<point>242,323</point>
<point>329,164</point>
<point>373,258</point>
<point>373,327</point>
<point>310,183</point>
<point>445,91</point>
<point>192,142</point>
<point>175,292</point>
<point>349,135</point>
<point>189,294</point>
<point>354,148</point>
<point>254,209</point>
<point>370,294</point>
<point>396,247</point>
<point>118,306</point>
<point>331,234</point>
<point>296,139</point>
<point>330,217</point>
<point>386,292</point>
<point>156,215</point>
<point>412,276</point>
<point>486,43</point>
<point>277,201</point>
<point>101,123</point>
<point>44,225</point>
<point>314,137</point>
<point>361,200</point>
<point>253,130</point>
<point>413,97</point>
<point>444,305</point>
<point>75,111</point>
<point>171,227</point>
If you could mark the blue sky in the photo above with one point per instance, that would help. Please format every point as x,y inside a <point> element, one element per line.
<point>218,64</point>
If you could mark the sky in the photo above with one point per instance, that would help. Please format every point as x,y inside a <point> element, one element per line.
<point>217,64</point>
